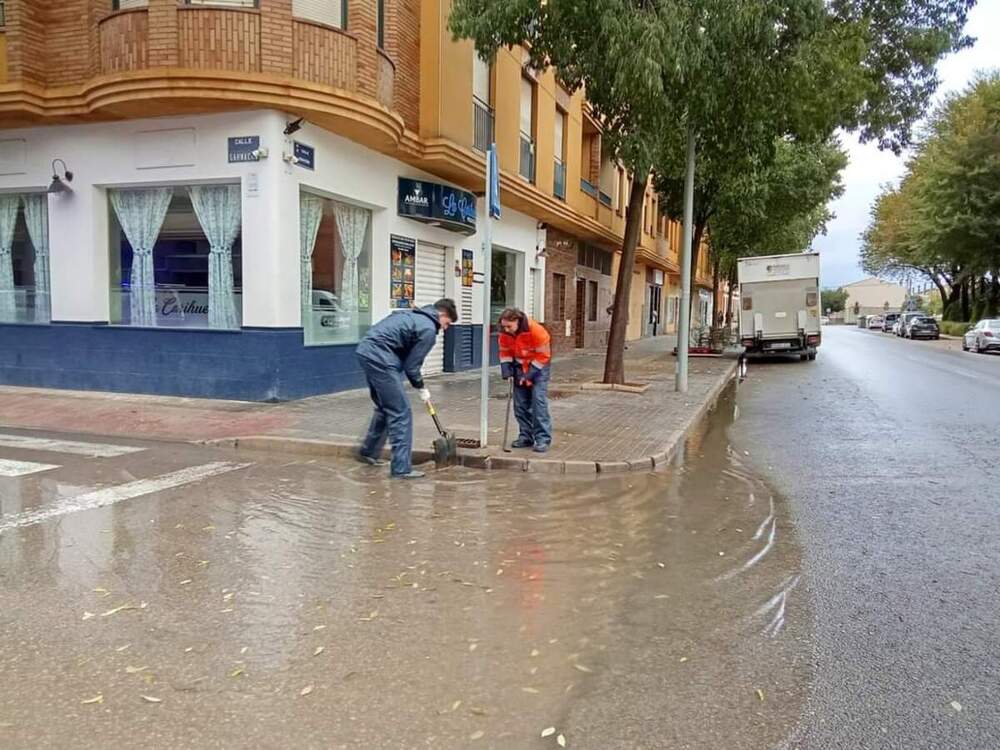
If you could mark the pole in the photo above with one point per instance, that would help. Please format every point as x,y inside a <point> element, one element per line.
<point>484,377</point>
<point>684,323</point>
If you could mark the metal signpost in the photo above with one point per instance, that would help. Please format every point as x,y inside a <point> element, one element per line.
<point>492,211</point>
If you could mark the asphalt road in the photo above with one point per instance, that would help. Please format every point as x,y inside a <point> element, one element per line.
<point>887,451</point>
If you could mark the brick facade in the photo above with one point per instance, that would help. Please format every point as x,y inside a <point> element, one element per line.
<point>361,21</point>
<point>324,55</point>
<point>277,37</point>
<point>162,33</point>
<point>124,43</point>
<point>209,38</point>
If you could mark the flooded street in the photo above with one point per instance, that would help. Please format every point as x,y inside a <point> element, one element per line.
<point>169,595</point>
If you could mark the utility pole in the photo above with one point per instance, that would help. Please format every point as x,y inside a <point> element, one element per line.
<point>492,209</point>
<point>684,322</point>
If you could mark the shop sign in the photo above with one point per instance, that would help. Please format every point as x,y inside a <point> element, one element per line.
<point>306,155</point>
<point>467,272</point>
<point>245,148</point>
<point>439,205</point>
<point>402,256</point>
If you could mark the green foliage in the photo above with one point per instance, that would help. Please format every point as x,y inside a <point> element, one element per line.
<point>833,300</point>
<point>954,327</point>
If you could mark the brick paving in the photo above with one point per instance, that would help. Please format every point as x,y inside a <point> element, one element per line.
<point>591,426</point>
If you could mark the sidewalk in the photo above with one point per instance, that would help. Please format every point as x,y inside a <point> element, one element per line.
<point>595,430</point>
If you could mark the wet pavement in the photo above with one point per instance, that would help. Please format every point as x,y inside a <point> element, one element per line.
<point>887,450</point>
<point>162,595</point>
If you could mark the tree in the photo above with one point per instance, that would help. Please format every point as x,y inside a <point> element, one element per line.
<point>833,300</point>
<point>738,75</point>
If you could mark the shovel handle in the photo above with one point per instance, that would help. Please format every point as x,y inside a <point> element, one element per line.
<point>437,422</point>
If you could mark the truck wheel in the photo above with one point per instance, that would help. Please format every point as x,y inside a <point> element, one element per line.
<point>803,357</point>
<point>812,357</point>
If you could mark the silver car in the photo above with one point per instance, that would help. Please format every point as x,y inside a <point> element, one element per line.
<point>983,337</point>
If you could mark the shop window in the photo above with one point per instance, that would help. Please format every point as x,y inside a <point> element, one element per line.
<point>503,283</point>
<point>592,301</point>
<point>559,296</point>
<point>176,256</point>
<point>24,258</point>
<point>336,252</point>
<point>329,12</point>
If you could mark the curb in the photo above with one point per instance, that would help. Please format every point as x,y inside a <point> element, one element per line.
<point>655,462</point>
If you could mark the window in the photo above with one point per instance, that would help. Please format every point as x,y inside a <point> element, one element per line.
<point>380,24</point>
<point>527,161</point>
<point>592,301</point>
<point>3,14</point>
<point>593,257</point>
<point>558,296</point>
<point>503,283</point>
<point>225,3</point>
<point>176,256</point>
<point>329,12</point>
<point>126,4</point>
<point>559,148</point>
<point>336,251</point>
<point>24,258</point>
<point>482,98</point>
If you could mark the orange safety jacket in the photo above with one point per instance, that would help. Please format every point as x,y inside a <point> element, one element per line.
<point>530,347</point>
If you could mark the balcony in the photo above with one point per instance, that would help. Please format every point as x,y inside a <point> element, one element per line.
<point>124,41</point>
<point>559,180</point>
<point>386,83</point>
<point>218,39</point>
<point>482,124</point>
<point>527,165</point>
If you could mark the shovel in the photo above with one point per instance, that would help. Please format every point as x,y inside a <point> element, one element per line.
<point>445,446</point>
<point>506,422</point>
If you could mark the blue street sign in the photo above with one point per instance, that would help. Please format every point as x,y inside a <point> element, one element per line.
<point>244,148</point>
<point>306,155</point>
<point>494,181</point>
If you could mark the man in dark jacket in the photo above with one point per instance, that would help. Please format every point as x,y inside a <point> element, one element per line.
<point>394,347</point>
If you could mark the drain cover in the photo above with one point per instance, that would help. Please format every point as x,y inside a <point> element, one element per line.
<point>467,442</point>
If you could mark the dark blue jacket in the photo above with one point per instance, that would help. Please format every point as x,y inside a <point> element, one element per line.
<point>401,341</point>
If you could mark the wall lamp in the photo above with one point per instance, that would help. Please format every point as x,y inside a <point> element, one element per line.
<point>58,186</point>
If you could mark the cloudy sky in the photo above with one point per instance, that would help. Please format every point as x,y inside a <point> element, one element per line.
<point>869,168</point>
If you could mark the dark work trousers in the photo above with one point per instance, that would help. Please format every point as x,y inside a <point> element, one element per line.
<point>392,417</point>
<point>531,408</point>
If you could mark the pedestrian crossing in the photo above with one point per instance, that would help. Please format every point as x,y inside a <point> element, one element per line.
<point>89,499</point>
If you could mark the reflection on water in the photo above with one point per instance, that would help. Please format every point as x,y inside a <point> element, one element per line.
<point>655,610</point>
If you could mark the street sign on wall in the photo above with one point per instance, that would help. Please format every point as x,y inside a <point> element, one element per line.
<point>244,148</point>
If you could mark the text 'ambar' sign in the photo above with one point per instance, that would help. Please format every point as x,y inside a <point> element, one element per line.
<point>432,203</point>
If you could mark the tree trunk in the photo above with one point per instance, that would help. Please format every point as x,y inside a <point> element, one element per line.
<point>729,302</point>
<point>699,231</point>
<point>716,317</point>
<point>994,293</point>
<point>614,362</point>
<point>964,296</point>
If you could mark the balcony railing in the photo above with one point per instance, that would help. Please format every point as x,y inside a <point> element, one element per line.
<point>482,125</point>
<point>527,157</point>
<point>589,188</point>
<point>559,180</point>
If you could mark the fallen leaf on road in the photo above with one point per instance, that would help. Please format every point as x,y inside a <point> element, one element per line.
<point>319,650</point>
<point>533,691</point>
<point>152,699</point>
<point>135,670</point>
<point>583,668</point>
<point>760,695</point>
<point>306,690</point>
<point>548,732</point>
<point>116,610</point>
<point>319,627</point>
<point>87,615</point>
<point>244,649</point>
<point>185,582</point>
<point>477,735</point>
<point>126,647</point>
<point>99,698</point>
<point>957,706</point>
<point>473,646</point>
<point>236,672</point>
<point>455,705</point>
<point>561,741</point>
<point>477,711</point>
<point>534,652</point>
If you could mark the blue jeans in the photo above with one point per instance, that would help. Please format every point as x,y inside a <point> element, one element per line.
<point>392,417</point>
<point>531,408</point>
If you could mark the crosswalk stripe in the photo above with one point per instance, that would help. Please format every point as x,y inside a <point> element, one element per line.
<point>9,468</point>
<point>94,450</point>
<point>129,490</point>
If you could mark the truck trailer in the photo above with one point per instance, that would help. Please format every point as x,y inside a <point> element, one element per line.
<point>780,304</point>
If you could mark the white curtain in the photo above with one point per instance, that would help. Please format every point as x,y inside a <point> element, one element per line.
<point>352,223</point>
<point>141,213</point>
<point>8,218</point>
<point>36,216</point>
<point>310,216</point>
<point>218,210</point>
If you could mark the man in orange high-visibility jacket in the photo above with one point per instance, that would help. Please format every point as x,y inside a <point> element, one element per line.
<point>525,356</point>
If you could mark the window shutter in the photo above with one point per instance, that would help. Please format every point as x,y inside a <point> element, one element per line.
<point>330,12</point>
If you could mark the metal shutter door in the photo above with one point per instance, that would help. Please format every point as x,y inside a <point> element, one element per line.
<point>322,11</point>
<point>430,282</point>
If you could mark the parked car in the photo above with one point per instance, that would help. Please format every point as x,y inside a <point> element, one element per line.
<point>875,322</point>
<point>900,326</point>
<point>922,327</point>
<point>888,321</point>
<point>983,337</point>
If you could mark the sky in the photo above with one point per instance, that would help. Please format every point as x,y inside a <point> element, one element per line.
<point>870,168</point>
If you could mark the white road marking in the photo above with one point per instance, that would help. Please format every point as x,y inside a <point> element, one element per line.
<point>95,450</point>
<point>9,468</point>
<point>127,491</point>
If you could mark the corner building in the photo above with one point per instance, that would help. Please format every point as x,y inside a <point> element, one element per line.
<point>217,199</point>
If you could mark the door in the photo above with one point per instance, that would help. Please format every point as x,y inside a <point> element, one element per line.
<point>653,309</point>
<point>581,308</point>
<point>430,284</point>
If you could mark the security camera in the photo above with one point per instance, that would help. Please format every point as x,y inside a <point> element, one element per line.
<point>291,158</point>
<point>260,153</point>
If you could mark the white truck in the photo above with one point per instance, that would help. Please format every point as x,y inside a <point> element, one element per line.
<point>780,304</point>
